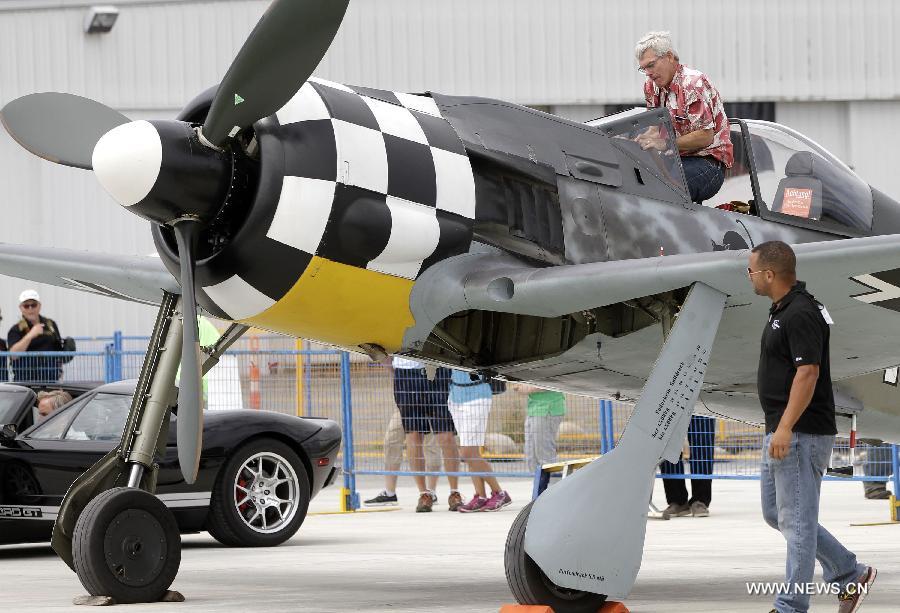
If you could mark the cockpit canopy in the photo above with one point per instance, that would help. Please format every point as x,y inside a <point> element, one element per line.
<point>797,177</point>
<point>800,182</point>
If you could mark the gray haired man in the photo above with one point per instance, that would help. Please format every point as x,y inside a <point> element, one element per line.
<point>702,134</point>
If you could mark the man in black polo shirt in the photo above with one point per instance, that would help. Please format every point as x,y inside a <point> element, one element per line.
<point>34,332</point>
<point>794,384</point>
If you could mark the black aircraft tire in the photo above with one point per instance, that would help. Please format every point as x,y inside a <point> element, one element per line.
<point>529,584</point>
<point>126,545</point>
<point>228,523</point>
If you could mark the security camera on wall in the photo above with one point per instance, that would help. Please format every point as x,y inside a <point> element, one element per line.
<point>100,19</point>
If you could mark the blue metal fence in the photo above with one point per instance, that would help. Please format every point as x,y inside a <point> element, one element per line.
<point>280,374</point>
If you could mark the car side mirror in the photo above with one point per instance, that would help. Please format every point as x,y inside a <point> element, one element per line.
<point>8,434</point>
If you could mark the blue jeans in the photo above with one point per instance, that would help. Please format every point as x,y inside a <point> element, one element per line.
<point>790,503</point>
<point>704,176</point>
<point>702,439</point>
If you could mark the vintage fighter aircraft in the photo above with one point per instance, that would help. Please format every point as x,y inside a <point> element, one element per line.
<point>463,231</point>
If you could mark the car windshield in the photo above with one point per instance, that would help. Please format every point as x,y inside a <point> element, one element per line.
<point>54,425</point>
<point>10,402</point>
<point>102,419</point>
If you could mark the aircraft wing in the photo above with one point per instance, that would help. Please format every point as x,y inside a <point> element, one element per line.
<point>839,273</point>
<point>128,277</point>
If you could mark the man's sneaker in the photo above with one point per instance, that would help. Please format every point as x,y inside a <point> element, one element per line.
<point>476,504</point>
<point>426,501</point>
<point>676,510</point>
<point>876,490</point>
<point>850,600</point>
<point>698,509</point>
<point>382,500</point>
<point>454,501</point>
<point>497,501</point>
<point>433,496</point>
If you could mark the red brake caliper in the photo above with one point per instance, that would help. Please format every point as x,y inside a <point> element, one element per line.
<point>242,482</point>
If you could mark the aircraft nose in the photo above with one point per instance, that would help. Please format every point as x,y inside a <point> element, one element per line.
<point>127,161</point>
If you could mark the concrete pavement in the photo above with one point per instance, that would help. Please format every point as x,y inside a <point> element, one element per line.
<point>401,561</point>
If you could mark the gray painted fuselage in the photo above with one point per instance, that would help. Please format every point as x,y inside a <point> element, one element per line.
<point>618,213</point>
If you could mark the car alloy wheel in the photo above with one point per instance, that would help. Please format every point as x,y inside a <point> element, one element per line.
<point>260,496</point>
<point>266,492</point>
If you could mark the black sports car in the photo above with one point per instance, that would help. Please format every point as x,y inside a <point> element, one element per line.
<point>258,469</point>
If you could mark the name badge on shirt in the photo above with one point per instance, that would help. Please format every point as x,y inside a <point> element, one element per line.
<point>826,315</point>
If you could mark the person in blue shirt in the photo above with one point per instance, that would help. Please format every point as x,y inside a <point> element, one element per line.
<point>470,404</point>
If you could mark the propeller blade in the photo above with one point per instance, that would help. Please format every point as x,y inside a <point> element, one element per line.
<point>62,128</point>
<point>276,60</point>
<point>190,414</point>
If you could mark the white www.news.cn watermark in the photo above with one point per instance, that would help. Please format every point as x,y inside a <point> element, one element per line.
<point>772,588</point>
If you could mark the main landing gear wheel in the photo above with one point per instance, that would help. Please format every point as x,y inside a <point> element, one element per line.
<point>530,585</point>
<point>127,546</point>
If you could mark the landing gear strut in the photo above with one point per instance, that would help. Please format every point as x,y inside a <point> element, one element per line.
<point>582,540</point>
<point>119,538</point>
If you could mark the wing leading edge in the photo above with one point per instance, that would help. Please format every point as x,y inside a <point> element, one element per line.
<point>127,277</point>
<point>498,282</point>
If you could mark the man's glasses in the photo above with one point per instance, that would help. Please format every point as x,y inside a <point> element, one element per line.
<point>750,272</point>
<point>30,305</point>
<point>646,67</point>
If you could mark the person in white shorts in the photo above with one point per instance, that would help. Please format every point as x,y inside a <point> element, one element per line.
<point>470,404</point>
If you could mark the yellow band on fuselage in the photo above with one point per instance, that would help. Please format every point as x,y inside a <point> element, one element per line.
<point>342,305</point>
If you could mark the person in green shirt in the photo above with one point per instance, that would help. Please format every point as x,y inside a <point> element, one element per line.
<point>545,413</point>
<point>207,334</point>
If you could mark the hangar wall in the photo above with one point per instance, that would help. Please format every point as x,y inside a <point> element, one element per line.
<point>830,65</point>
<point>161,52</point>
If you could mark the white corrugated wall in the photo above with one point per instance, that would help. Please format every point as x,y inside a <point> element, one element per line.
<point>816,58</point>
<point>872,134</point>
<point>532,51</point>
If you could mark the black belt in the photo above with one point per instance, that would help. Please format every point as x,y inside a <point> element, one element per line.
<point>472,384</point>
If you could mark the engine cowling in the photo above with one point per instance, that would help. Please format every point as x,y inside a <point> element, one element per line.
<point>341,200</point>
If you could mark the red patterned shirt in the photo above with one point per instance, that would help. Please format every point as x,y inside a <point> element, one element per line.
<point>694,105</point>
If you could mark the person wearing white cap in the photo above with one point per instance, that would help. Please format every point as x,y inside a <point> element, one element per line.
<point>34,333</point>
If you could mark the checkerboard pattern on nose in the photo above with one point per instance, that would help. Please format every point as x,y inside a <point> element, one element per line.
<point>371,178</point>
<point>389,189</point>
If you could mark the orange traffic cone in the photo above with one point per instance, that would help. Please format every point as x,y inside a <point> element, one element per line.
<point>254,385</point>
